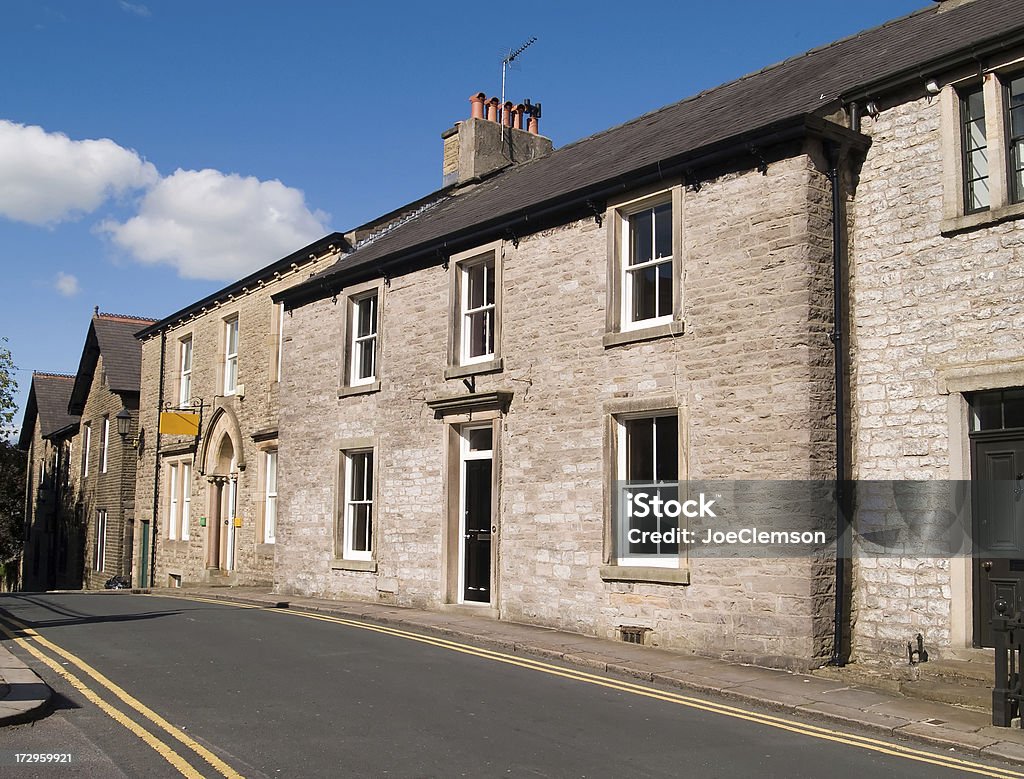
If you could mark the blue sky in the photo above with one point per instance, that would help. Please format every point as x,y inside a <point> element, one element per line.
<point>239,130</point>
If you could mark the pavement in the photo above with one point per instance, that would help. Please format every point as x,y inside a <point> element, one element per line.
<point>23,695</point>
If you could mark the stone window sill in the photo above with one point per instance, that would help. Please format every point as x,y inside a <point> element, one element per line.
<point>266,550</point>
<point>366,566</point>
<point>358,389</point>
<point>653,574</point>
<point>643,334</point>
<point>461,371</point>
<point>959,224</point>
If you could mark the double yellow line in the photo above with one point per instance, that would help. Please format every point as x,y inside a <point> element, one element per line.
<point>28,639</point>
<point>781,723</point>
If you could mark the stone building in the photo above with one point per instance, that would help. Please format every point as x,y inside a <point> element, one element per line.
<point>105,396</point>
<point>936,308</point>
<point>53,551</point>
<point>672,300</point>
<point>207,499</point>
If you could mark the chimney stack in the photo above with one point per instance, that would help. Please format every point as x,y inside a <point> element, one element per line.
<point>491,139</point>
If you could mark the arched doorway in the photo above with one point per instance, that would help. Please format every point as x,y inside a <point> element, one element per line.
<point>222,465</point>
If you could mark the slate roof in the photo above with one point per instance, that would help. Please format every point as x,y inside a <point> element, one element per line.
<point>48,399</point>
<point>815,83</point>
<point>113,336</point>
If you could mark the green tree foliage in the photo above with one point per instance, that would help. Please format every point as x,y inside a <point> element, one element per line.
<point>8,388</point>
<point>12,470</point>
<point>12,504</point>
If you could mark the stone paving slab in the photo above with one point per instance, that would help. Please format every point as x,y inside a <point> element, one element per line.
<point>834,698</point>
<point>23,695</point>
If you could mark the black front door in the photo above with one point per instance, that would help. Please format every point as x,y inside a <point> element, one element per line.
<point>477,535</point>
<point>998,497</point>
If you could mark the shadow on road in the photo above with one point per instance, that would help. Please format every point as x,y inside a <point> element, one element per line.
<point>71,616</point>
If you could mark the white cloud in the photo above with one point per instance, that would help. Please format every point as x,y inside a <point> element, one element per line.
<point>66,284</point>
<point>47,177</point>
<point>134,8</point>
<point>212,225</point>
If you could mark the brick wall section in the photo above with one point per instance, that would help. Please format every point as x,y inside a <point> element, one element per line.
<point>753,371</point>
<point>256,412</point>
<point>921,303</point>
<point>114,490</point>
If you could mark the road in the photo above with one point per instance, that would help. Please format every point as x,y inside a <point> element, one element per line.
<point>159,686</point>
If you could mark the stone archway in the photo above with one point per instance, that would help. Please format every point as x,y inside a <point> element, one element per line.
<point>222,458</point>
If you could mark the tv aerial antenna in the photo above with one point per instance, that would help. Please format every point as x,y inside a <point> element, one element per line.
<point>506,63</point>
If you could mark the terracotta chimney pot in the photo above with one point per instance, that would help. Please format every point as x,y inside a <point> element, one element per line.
<point>492,109</point>
<point>517,116</point>
<point>476,105</point>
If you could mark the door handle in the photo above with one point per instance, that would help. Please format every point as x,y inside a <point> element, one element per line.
<point>987,565</point>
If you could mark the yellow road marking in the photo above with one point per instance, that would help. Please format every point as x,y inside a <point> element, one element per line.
<point>793,726</point>
<point>223,768</point>
<point>150,740</point>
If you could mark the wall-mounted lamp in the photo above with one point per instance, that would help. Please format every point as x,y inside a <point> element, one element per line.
<point>932,86</point>
<point>124,424</point>
<point>871,108</point>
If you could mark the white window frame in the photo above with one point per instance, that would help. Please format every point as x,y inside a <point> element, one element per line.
<point>186,499</point>
<point>348,505</point>
<point>280,341</point>
<point>105,445</point>
<point>173,506</point>
<point>231,357</point>
<point>99,551</point>
<point>621,476</point>
<point>466,314</point>
<point>185,371</point>
<point>628,271</point>
<point>356,340</point>
<point>270,497</point>
<point>87,445</point>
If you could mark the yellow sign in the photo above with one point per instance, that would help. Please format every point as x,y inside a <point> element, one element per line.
<point>238,521</point>
<point>179,423</point>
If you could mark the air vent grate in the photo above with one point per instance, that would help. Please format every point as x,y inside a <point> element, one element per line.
<point>633,634</point>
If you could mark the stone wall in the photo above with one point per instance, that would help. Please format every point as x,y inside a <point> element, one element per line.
<point>924,307</point>
<point>254,413</point>
<point>113,491</point>
<point>751,376</point>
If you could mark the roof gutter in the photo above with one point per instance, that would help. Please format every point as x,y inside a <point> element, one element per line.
<point>583,200</point>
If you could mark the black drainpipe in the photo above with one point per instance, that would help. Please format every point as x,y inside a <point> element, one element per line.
<point>838,347</point>
<point>156,458</point>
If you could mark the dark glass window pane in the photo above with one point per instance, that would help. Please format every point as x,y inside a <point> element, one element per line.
<point>489,283</point>
<point>663,230</point>
<point>366,317</point>
<point>1013,408</point>
<point>475,279</point>
<point>480,439</point>
<point>667,442</point>
<point>362,476</point>
<point>362,527</point>
<point>481,337</point>
<point>640,449</point>
<point>641,237</point>
<point>665,289</point>
<point>367,354</point>
<point>975,104</point>
<point>987,411</point>
<point>644,293</point>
